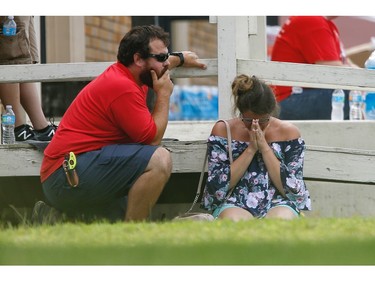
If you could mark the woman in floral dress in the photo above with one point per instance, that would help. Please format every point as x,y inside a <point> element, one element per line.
<point>266,176</point>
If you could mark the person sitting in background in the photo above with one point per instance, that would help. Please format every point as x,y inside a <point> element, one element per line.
<point>22,49</point>
<point>266,176</point>
<point>122,168</point>
<point>309,40</point>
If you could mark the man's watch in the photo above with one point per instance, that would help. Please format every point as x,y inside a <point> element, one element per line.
<point>180,55</point>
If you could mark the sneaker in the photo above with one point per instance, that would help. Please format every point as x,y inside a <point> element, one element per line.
<point>45,214</point>
<point>46,135</point>
<point>24,133</point>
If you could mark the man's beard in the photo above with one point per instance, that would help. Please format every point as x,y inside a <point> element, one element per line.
<point>146,77</point>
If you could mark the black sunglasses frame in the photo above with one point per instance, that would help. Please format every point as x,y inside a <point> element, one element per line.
<point>159,57</point>
<point>261,121</point>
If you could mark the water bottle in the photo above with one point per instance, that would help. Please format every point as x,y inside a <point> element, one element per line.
<point>338,100</point>
<point>9,27</point>
<point>8,121</point>
<point>356,105</point>
<point>370,96</point>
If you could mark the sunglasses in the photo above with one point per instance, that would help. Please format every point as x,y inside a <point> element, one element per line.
<point>159,57</point>
<point>261,121</point>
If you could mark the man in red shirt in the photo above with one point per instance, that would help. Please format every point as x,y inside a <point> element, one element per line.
<point>309,40</point>
<point>114,136</point>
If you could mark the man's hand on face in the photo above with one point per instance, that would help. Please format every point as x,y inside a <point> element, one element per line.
<point>162,85</point>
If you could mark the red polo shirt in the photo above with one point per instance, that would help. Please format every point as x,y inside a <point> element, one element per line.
<point>111,109</point>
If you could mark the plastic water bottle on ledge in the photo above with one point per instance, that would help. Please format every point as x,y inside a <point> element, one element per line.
<point>10,27</point>
<point>8,121</point>
<point>370,96</point>
<point>356,105</point>
<point>338,100</point>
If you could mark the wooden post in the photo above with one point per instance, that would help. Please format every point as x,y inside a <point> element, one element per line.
<point>238,37</point>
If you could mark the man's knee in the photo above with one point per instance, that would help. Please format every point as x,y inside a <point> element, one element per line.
<point>161,160</point>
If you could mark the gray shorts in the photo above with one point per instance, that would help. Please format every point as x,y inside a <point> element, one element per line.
<point>105,178</point>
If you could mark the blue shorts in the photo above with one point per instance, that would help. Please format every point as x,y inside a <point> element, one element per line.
<point>222,207</point>
<point>310,104</point>
<point>105,178</point>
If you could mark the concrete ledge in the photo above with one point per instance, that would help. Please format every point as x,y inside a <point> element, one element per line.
<point>321,163</point>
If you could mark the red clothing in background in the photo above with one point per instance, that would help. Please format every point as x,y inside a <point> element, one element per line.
<point>306,39</point>
<point>111,109</point>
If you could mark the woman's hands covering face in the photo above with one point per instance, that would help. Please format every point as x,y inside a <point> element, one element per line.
<point>257,136</point>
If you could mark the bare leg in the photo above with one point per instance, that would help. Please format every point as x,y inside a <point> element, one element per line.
<point>31,103</point>
<point>10,94</point>
<point>281,212</point>
<point>235,214</point>
<point>147,189</point>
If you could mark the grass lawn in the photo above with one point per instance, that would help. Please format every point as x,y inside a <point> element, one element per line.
<point>307,241</point>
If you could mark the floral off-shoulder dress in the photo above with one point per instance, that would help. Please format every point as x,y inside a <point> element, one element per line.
<point>255,191</point>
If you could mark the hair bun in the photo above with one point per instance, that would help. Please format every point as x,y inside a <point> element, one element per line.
<point>242,84</point>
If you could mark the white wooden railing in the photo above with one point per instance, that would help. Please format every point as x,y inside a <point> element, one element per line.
<point>278,73</point>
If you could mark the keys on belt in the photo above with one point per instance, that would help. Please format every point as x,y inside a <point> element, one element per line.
<point>69,166</point>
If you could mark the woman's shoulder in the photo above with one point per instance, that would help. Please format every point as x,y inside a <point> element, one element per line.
<point>220,129</point>
<point>285,131</point>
